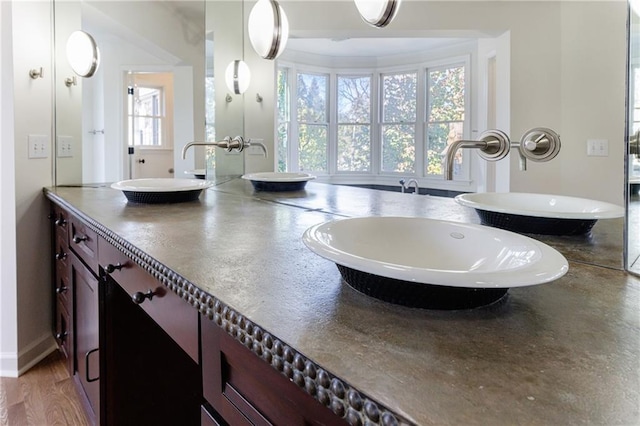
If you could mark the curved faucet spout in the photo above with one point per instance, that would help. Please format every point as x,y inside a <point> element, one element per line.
<point>494,145</point>
<point>450,154</point>
<point>224,143</point>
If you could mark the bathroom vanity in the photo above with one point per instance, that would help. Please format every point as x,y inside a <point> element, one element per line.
<point>214,312</point>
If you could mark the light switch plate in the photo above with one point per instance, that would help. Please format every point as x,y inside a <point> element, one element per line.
<point>65,146</point>
<point>38,146</point>
<point>597,148</point>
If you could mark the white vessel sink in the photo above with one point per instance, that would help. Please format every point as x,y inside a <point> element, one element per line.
<point>161,190</point>
<point>539,213</point>
<point>432,263</point>
<point>277,182</point>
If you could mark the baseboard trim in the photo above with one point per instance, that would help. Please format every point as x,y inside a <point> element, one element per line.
<point>14,365</point>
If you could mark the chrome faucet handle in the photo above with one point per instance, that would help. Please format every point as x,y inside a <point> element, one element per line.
<point>540,144</point>
<point>402,187</point>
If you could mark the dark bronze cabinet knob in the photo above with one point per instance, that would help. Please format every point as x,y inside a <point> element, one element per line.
<point>112,268</point>
<point>61,290</point>
<point>61,336</point>
<point>78,239</point>
<point>61,256</point>
<point>139,297</point>
<point>60,221</point>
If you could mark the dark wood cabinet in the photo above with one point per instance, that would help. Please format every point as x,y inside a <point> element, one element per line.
<point>86,336</point>
<point>140,354</point>
<point>246,390</point>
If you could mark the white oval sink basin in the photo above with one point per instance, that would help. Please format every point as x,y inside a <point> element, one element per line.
<point>162,190</point>
<point>276,181</point>
<point>539,213</point>
<point>403,259</point>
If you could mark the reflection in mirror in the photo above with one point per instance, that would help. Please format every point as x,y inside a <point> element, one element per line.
<point>148,93</point>
<point>633,160</point>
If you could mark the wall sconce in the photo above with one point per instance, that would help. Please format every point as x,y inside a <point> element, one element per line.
<point>82,53</point>
<point>237,76</point>
<point>268,28</point>
<point>378,13</point>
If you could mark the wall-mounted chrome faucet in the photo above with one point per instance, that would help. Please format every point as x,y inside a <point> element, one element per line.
<point>238,143</point>
<point>538,144</point>
<point>404,187</point>
<point>493,145</point>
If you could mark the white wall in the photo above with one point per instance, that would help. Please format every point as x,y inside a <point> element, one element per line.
<point>25,262</point>
<point>567,73</point>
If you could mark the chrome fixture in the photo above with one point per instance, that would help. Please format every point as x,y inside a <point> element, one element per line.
<point>70,81</point>
<point>258,98</point>
<point>268,29</point>
<point>538,144</point>
<point>238,143</point>
<point>493,145</point>
<point>404,187</point>
<point>378,13</point>
<point>36,73</point>
<point>95,132</point>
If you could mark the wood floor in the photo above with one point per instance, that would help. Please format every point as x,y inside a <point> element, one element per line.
<point>45,395</point>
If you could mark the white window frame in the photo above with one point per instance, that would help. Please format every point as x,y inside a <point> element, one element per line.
<point>461,180</point>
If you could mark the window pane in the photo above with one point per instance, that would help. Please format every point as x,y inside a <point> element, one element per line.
<point>147,131</point>
<point>210,109</point>
<point>312,140</point>
<point>398,148</point>
<point>354,148</point>
<point>312,98</point>
<point>283,145</point>
<point>283,95</point>
<point>399,98</point>
<point>354,99</point>
<point>439,136</point>
<point>446,94</point>
<point>148,101</point>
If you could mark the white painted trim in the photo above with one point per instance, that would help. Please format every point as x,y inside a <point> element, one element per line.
<point>14,365</point>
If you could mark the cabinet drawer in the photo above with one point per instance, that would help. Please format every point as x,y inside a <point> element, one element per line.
<point>64,335</point>
<point>61,223</point>
<point>178,319</point>
<point>63,287</point>
<point>84,242</point>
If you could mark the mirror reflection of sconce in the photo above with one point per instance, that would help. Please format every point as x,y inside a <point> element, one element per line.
<point>82,54</point>
<point>237,76</point>
<point>268,28</point>
<point>378,13</point>
<point>70,81</point>
<point>36,73</point>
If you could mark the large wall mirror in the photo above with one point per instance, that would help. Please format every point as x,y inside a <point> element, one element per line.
<point>555,64</point>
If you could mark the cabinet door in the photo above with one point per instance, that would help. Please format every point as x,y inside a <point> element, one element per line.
<point>86,336</point>
<point>245,390</point>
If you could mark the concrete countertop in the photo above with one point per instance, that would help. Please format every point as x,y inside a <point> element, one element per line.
<point>560,353</point>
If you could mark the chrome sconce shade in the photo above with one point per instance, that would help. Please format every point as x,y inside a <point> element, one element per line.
<point>83,54</point>
<point>237,76</point>
<point>268,28</point>
<point>378,13</point>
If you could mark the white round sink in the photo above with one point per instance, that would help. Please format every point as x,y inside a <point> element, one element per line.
<point>161,190</point>
<point>416,255</point>
<point>276,181</point>
<point>539,213</point>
